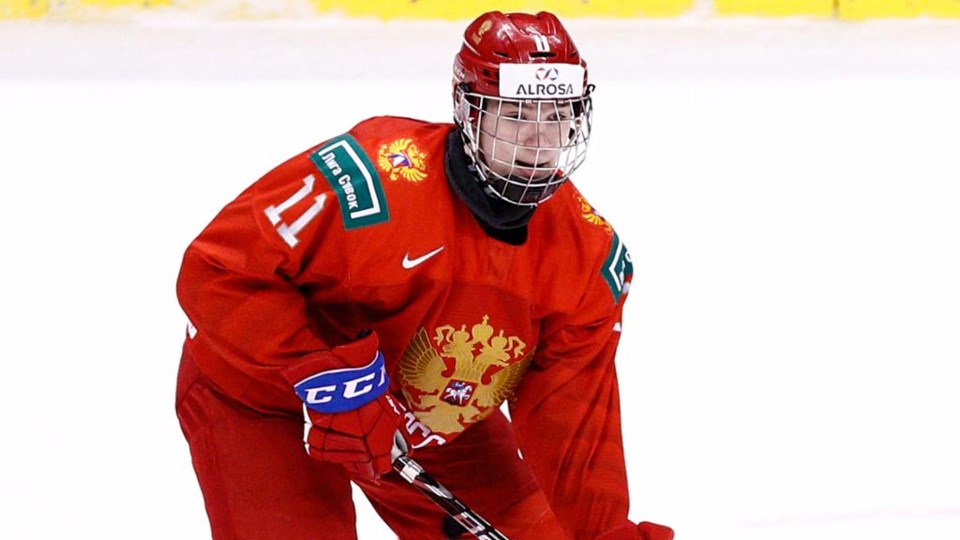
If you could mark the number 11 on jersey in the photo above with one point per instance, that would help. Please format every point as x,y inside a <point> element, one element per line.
<point>289,232</point>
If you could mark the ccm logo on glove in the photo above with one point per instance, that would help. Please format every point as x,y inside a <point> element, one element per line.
<point>346,389</point>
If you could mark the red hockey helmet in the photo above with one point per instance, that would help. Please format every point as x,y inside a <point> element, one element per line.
<point>496,38</point>
<point>522,102</point>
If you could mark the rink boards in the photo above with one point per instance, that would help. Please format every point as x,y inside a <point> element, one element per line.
<point>446,10</point>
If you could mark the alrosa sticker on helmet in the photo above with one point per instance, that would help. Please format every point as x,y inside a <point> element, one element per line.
<point>541,81</point>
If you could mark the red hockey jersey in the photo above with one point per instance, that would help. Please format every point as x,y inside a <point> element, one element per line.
<point>363,231</point>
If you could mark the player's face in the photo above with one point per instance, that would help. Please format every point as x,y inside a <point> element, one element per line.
<point>525,139</point>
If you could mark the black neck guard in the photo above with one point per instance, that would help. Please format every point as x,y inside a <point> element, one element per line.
<point>499,219</point>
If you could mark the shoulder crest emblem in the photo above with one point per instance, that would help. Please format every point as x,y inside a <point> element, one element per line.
<point>402,158</point>
<point>590,215</point>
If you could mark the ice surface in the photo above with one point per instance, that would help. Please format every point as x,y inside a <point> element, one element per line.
<point>789,190</point>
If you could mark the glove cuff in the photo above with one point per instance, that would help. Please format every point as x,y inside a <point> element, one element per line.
<point>326,386</point>
<point>353,354</point>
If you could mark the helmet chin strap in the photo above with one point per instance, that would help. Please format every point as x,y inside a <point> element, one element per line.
<point>529,193</point>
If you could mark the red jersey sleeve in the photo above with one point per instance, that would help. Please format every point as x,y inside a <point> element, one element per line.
<point>567,410</point>
<point>240,286</point>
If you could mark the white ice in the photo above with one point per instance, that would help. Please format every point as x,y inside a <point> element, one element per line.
<point>790,364</point>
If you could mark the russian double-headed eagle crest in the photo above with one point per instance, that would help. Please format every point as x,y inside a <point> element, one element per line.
<point>591,216</point>
<point>459,376</point>
<point>484,27</point>
<point>403,158</point>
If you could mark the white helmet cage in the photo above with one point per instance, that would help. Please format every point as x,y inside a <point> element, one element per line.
<point>524,149</point>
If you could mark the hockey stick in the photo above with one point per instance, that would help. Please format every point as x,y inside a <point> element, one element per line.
<point>412,472</point>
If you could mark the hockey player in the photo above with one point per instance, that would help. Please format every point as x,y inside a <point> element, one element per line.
<point>413,276</point>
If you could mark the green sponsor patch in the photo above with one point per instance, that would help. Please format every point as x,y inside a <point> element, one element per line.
<point>617,267</point>
<point>353,177</point>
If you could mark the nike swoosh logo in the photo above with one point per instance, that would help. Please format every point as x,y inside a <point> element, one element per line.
<point>409,263</point>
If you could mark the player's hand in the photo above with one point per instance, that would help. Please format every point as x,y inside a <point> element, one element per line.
<point>350,417</point>
<point>652,531</point>
<point>644,531</point>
